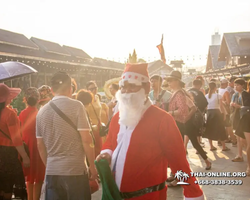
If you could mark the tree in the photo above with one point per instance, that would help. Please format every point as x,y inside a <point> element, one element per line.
<point>18,103</point>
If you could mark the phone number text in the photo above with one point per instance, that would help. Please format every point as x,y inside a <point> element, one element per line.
<point>219,182</point>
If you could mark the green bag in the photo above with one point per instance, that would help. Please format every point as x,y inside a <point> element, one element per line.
<point>110,190</point>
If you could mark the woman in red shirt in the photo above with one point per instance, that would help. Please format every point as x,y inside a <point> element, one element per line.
<point>182,108</point>
<point>35,173</point>
<point>178,107</point>
<point>10,144</point>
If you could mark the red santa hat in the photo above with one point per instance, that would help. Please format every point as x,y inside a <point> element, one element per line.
<point>135,73</point>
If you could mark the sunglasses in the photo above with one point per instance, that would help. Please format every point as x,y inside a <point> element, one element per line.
<point>92,89</point>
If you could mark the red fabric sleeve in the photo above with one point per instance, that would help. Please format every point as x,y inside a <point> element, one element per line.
<point>13,124</point>
<point>172,144</point>
<point>111,141</point>
<point>21,119</point>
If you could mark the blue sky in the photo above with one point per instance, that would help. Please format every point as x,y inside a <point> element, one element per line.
<point>113,28</point>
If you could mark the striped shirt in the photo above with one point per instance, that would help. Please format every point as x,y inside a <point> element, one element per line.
<point>65,153</point>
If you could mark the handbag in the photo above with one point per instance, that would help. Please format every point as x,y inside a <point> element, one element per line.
<point>26,148</point>
<point>103,131</point>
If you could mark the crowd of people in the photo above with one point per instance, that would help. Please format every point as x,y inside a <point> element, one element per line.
<point>56,139</point>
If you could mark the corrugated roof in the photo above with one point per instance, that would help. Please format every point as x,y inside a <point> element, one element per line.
<point>109,63</point>
<point>50,47</point>
<point>16,39</point>
<point>237,44</point>
<point>12,45</point>
<point>79,53</point>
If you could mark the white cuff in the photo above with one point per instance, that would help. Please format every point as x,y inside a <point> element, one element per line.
<point>195,198</point>
<point>110,152</point>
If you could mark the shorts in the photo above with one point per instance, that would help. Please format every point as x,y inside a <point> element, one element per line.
<point>67,187</point>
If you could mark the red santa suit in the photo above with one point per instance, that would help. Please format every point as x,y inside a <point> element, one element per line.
<point>143,153</point>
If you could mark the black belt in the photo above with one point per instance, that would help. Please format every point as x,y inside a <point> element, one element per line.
<point>128,195</point>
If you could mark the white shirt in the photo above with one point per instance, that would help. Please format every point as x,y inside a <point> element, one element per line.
<point>214,101</point>
<point>222,91</point>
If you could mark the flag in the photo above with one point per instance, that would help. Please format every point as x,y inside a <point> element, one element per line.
<point>161,50</point>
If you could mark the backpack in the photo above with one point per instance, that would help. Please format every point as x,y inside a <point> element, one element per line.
<point>197,118</point>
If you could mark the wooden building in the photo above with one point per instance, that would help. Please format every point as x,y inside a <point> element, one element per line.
<point>233,53</point>
<point>235,49</point>
<point>49,57</point>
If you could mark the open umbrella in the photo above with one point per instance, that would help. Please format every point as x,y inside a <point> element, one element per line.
<point>10,70</point>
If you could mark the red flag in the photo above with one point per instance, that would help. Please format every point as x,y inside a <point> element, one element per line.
<point>161,50</point>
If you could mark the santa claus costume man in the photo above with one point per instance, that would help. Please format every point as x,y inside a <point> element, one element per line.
<point>142,141</point>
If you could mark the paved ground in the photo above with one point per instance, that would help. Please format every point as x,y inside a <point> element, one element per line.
<point>221,162</point>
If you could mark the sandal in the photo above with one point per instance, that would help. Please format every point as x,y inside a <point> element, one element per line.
<point>213,149</point>
<point>173,184</point>
<point>226,149</point>
<point>238,159</point>
<point>209,167</point>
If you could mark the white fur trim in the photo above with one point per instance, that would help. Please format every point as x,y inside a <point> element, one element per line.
<point>123,142</point>
<point>110,152</point>
<point>195,198</point>
<point>132,75</point>
<point>133,81</point>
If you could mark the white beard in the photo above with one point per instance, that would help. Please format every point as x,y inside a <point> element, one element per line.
<point>131,107</point>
